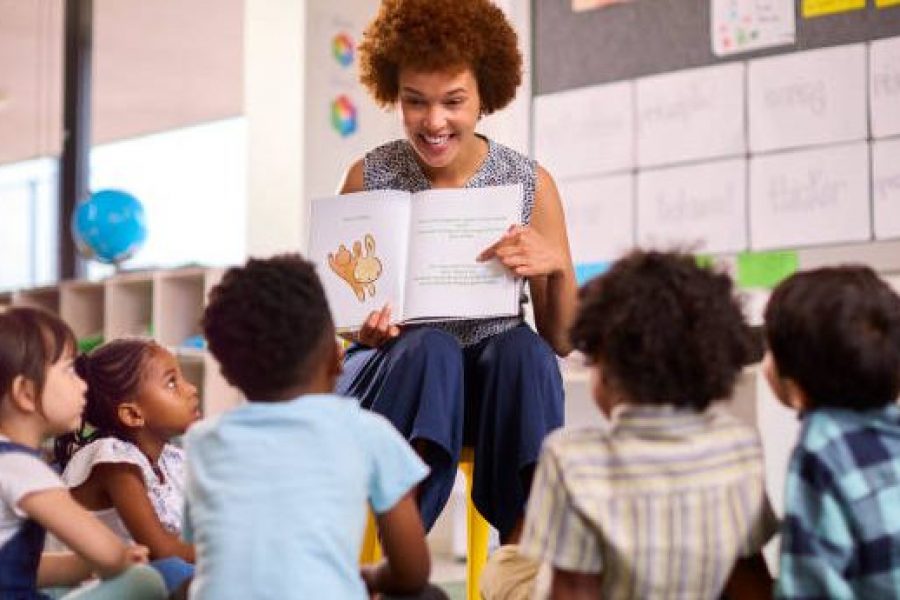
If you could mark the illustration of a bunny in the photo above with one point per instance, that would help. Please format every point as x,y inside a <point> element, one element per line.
<point>358,271</point>
<point>368,267</point>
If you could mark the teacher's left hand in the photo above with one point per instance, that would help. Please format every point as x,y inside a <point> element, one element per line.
<point>525,252</point>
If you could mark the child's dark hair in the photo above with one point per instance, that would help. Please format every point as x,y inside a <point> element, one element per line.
<point>836,332</point>
<point>665,330</point>
<point>31,339</point>
<point>113,373</point>
<point>265,324</point>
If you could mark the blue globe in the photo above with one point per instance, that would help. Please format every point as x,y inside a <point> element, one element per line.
<point>109,226</point>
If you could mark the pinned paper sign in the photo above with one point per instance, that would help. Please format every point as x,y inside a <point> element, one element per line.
<point>747,25</point>
<point>819,8</point>
<point>765,269</point>
<point>582,5</point>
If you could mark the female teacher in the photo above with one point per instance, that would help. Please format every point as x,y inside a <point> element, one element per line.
<point>493,384</point>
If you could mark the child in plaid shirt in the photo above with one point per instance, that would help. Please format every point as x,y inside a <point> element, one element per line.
<point>834,356</point>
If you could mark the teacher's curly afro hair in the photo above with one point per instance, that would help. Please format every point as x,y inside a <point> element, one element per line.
<point>440,35</point>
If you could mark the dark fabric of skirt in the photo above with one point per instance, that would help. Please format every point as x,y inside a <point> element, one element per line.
<point>501,396</point>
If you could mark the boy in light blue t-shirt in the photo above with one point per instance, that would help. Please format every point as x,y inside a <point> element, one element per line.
<point>277,489</point>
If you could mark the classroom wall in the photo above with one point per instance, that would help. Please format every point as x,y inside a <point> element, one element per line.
<point>734,128</point>
<point>274,33</point>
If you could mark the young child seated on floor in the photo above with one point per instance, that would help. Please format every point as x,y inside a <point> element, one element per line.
<point>278,489</point>
<point>669,499</point>
<point>121,464</point>
<point>42,396</point>
<point>834,357</point>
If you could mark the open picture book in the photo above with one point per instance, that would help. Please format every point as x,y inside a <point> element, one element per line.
<point>415,251</point>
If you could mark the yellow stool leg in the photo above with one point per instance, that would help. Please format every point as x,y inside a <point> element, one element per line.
<point>370,552</point>
<point>477,532</point>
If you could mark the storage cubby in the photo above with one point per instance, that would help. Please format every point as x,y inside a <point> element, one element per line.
<point>43,297</point>
<point>166,305</point>
<point>81,305</point>
<point>179,298</point>
<point>129,306</point>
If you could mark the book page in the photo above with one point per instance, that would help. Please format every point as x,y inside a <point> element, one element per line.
<point>448,229</point>
<point>358,242</point>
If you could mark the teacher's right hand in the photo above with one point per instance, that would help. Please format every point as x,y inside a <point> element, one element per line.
<point>378,328</point>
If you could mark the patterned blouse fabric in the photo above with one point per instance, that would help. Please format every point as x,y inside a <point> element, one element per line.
<point>166,494</point>
<point>394,166</point>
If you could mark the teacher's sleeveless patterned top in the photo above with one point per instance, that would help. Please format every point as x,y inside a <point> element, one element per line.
<point>393,166</point>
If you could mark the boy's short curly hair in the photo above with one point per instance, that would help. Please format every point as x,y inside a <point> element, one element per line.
<point>437,35</point>
<point>266,323</point>
<point>836,332</point>
<point>664,330</point>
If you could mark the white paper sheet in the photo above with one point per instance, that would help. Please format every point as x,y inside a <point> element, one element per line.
<point>587,131</point>
<point>807,98</point>
<point>884,86</point>
<point>599,217</point>
<point>810,197</point>
<point>448,229</point>
<point>886,187</point>
<point>745,25</point>
<point>382,216</point>
<point>701,207</point>
<point>689,115</point>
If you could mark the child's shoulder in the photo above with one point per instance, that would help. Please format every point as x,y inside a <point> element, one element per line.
<point>826,429</point>
<point>22,471</point>
<point>100,451</point>
<point>328,411</point>
<point>575,441</point>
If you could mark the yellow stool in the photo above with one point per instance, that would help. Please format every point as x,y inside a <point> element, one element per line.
<point>477,531</point>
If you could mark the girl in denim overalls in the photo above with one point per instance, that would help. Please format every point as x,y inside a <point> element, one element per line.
<point>41,396</point>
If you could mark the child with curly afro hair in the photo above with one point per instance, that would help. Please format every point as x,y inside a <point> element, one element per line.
<point>669,499</point>
<point>492,384</point>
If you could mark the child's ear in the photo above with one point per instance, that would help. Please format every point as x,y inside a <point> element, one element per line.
<point>337,366</point>
<point>795,397</point>
<point>23,394</point>
<point>785,389</point>
<point>130,414</point>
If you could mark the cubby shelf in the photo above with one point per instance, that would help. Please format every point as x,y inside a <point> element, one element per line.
<point>165,305</point>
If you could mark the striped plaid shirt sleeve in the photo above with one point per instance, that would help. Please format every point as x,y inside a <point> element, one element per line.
<point>555,530</point>
<point>817,543</point>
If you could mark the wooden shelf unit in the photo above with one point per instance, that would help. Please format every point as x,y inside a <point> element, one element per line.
<point>165,305</point>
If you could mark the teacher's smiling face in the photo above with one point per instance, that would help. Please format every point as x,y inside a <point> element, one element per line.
<point>439,111</point>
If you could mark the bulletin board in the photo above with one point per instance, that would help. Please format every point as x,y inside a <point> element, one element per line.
<point>763,131</point>
<point>643,37</point>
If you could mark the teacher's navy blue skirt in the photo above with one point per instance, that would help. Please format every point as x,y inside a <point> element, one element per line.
<point>501,396</point>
